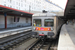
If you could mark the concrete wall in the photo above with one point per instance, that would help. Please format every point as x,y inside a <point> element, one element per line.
<point>11,23</point>
<point>10,19</point>
<point>2,21</point>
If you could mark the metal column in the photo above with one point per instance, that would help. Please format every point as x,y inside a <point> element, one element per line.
<point>5,20</point>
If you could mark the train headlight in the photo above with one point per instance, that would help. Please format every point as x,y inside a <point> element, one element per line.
<point>51,29</point>
<point>34,28</point>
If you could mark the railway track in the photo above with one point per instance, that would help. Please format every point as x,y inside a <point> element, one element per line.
<point>44,45</point>
<point>9,42</point>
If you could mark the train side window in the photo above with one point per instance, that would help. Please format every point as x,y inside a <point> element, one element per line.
<point>49,22</point>
<point>37,22</point>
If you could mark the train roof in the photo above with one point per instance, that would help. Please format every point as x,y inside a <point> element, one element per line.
<point>46,14</point>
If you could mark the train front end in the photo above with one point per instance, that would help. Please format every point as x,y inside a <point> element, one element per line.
<point>43,27</point>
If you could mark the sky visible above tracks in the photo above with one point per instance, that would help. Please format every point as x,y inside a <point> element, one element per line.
<point>61,3</point>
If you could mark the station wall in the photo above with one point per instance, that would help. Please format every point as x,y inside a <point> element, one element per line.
<point>1,19</point>
<point>10,21</point>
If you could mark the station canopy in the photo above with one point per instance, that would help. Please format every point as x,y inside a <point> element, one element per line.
<point>70,9</point>
<point>14,12</point>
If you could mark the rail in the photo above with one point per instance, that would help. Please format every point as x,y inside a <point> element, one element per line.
<point>6,44</point>
<point>47,44</point>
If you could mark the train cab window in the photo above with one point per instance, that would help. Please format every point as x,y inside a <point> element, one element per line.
<point>37,22</point>
<point>48,22</point>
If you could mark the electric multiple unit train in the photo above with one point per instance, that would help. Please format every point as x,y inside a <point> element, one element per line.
<point>46,24</point>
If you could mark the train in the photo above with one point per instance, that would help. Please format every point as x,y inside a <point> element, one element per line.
<point>46,25</point>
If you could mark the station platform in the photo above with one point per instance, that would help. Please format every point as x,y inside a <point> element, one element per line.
<point>67,38</point>
<point>12,31</point>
